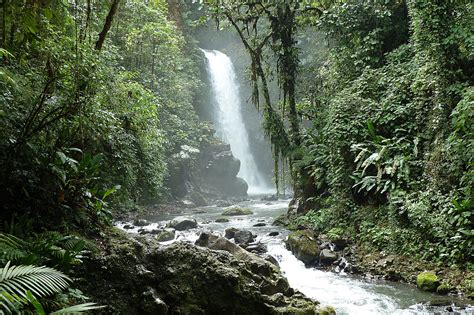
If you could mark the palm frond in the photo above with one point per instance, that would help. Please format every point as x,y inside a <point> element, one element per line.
<point>41,281</point>
<point>77,309</point>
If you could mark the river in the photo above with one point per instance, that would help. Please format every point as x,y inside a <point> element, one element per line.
<point>348,294</point>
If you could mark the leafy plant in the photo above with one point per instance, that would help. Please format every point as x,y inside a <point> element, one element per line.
<point>23,284</point>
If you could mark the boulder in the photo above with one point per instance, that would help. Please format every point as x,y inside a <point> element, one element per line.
<point>166,235</point>
<point>222,220</point>
<point>140,222</point>
<point>128,226</point>
<point>304,246</point>
<point>230,232</point>
<point>256,248</point>
<point>259,224</point>
<point>182,224</point>
<point>327,257</point>
<point>281,220</point>
<point>274,233</point>
<point>234,211</point>
<point>186,279</point>
<point>427,281</point>
<point>243,237</point>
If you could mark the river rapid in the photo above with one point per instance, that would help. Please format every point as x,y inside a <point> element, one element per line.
<point>346,293</point>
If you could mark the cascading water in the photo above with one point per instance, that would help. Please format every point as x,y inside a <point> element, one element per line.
<point>228,119</point>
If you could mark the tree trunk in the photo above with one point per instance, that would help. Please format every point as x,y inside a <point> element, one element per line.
<point>108,23</point>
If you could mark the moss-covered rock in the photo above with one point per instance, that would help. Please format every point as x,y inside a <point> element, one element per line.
<point>166,235</point>
<point>427,281</point>
<point>237,211</point>
<point>304,246</point>
<point>443,289</point>
<point>138,275</point>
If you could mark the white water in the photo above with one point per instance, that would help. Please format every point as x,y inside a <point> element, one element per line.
<point>229,123</point>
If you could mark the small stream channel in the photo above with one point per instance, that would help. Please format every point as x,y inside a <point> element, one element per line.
<point>348,294</point>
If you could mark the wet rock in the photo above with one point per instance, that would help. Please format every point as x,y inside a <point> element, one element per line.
<point>183,224</point>
<point>304,246</point>
<point>237,211</point>
<point>128,226</point>
<point>143,231</point>
<point>270,259</point>
<point>230,232</point>
<point>281,220</point>
<point>275,233</point>
<point>259,224</point>
<point>155,231</point>
<point>222,220</point>
<point>427,281</point>
<point>243,237</point>
<point>256,248</point>
<point>327,257</point>
<point>166,235</point>
<point>140,222</point>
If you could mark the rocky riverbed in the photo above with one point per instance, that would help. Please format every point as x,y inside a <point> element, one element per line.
<point>189,253</point>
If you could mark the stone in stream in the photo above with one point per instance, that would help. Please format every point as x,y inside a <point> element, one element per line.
<point>182,224</point>
<point>281,220</point>
<point>327,257</point>
<point>237,211</point>
<point>243,237</point>
<point>260,224</point>
<point>128,227</point>
<point>256,248</point>
<point>427,281</point>
<point>140,222</point>
<point>274,233</point>
<point>230,232</point>
<point>166,235</point>
<point>222,220</point>
<point>304,246</point>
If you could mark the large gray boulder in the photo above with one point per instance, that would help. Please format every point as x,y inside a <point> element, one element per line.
<point>327,257</point>
<point>182,224</point>
<point>243,237</point>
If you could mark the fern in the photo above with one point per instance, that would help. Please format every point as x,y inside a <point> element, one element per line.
<point>16,281</point>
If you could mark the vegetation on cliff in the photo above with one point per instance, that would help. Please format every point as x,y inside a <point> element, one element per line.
<point>384,112</point>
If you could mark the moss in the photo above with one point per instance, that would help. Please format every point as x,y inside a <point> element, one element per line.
<point>443,289</point>
<point>303,244</point>
<point>327,310</point>
<point>427,281</point>
<point>237,211</point>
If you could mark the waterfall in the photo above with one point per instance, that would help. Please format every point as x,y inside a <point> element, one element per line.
<point>228,119</point>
